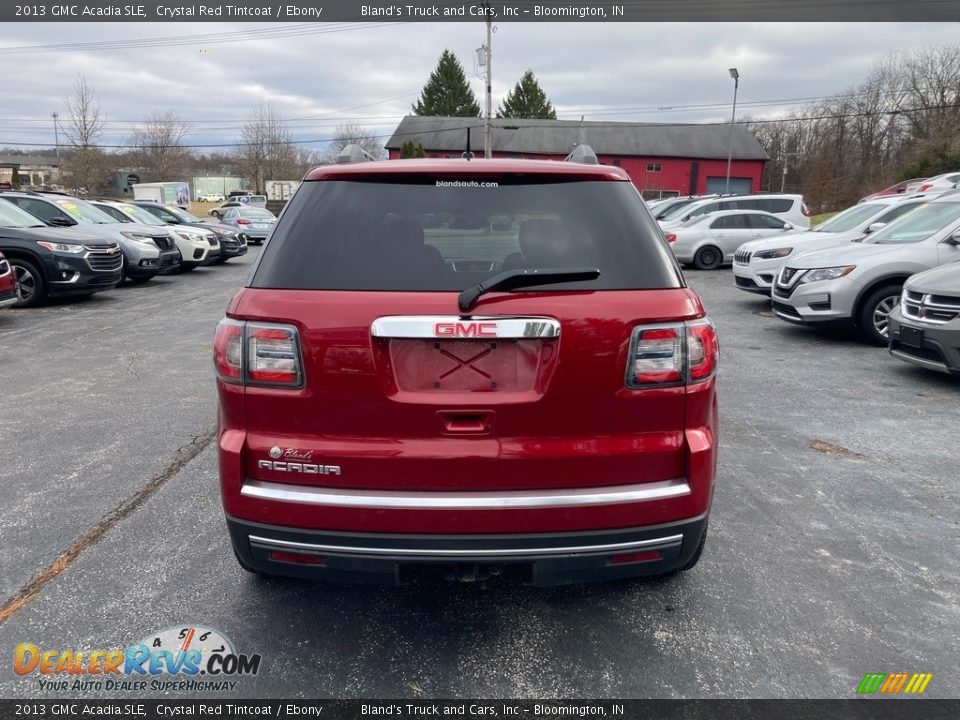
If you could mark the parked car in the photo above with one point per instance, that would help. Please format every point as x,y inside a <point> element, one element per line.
<point>52,262</point>
<point>233,243</point>
<point>668,205</point>
<point>211,198</point>
<point>239,201</point>
<point>8,283</point>
<point>946,181</point>
<point>708,241</point>
<point>925,327</point>
<point>899,188</point>
<point>790,208</point>
<point>861,283</point>
<point>197,247</point>
<point>396,401</point>
<point>255,223</point>
<point>756,263</point>
<point>146,250</point>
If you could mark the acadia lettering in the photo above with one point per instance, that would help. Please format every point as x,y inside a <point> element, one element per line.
<point>467,329</point>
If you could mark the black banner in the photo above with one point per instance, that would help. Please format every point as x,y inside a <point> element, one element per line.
<point>460,11</point>
<point>861,709</point>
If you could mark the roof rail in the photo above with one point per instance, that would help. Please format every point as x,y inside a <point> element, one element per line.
<point>21,192</point>
<point>353,153</point>
<point>582,154</point>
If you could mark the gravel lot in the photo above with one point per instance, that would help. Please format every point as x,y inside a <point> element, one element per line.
<point>832,548</point>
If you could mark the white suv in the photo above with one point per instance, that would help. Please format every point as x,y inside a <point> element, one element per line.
<point>861,283</point>
<point>790,208</point>
<point>756,263</point>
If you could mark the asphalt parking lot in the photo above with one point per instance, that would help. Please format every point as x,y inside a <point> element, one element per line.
<point>832,546</point>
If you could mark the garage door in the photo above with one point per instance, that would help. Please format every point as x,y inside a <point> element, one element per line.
<point>740,186</point>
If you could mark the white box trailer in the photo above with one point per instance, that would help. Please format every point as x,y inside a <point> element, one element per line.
<point>168,193</point>
<point>281,190</point>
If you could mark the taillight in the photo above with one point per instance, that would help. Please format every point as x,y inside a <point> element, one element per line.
<point>805,210</point>
<point>657,356</point>
<point>670,237</point>
<point>242,221</point>
<point>672,354</point>
<point>273,354</point>
<point>257,354</point>
<point>228,350</point>
<point>703,350</point>
<point>925,186</point>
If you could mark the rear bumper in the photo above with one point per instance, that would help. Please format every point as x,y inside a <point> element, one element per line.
<point>540,559</point>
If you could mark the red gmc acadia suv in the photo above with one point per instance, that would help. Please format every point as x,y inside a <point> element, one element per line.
<point>465,367</point>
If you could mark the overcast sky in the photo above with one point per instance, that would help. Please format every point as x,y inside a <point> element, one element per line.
<point>371,73</point>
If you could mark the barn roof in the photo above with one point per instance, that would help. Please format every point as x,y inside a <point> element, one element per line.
<point>559,137</point>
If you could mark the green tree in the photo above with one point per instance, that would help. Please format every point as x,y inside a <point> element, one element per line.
<point>527,100</point>
<point>447,92</point>
<point>409,150</point>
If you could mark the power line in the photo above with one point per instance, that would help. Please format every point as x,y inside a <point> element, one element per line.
<point>611,110</point>
<point>479,124</point>
<point>295,30</point>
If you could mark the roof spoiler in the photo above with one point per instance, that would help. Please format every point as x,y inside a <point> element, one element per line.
<point>353,153</point>
<point>582,154</point>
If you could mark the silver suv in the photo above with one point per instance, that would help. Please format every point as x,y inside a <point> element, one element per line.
<point>861,283</point>
<point>756,263</point>
<point>146,250</point>
<point>925,328</point>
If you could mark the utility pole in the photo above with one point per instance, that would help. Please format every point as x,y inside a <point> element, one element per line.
<point>487,128</point>
<point>733,116</point>
<point>56,140</point>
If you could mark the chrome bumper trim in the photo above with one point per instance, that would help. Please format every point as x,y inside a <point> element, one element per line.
<point>563,497</point>
<point>273,543</point>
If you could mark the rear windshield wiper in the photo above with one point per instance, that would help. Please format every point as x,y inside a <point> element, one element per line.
<point>511,279</point>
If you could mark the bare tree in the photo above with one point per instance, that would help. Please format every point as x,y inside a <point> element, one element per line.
<point>86,166</point>
<point>159,145</point>
<point>353,134</point>
<point>267,152</point>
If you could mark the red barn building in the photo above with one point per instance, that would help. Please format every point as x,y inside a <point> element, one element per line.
<point>661,159</point>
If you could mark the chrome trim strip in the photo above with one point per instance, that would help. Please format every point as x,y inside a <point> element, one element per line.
<point>425,326</point>
<point>458,552</point>
<point>566,497</point>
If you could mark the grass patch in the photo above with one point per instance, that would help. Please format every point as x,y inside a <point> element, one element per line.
<point>817,219</point>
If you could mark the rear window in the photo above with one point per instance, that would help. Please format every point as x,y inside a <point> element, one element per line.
<point>255,213</point>
<point>427,235</point>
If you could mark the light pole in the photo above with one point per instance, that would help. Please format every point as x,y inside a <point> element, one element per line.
<point>56,139</point>
<point>736,83</point>
<point>487,126</point>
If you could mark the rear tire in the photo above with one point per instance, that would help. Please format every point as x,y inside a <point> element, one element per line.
<point>708,257</point>
<point>215,213</point>
<point>31,287</point>
<point>874,315</point>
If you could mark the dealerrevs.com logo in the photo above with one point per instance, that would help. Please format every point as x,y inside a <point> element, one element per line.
<point>187,658</point>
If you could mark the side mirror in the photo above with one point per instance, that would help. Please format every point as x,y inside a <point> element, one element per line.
<point>61,222</point>
<point>953,239</point>
<point>787,226</point>
<point>874,227</point>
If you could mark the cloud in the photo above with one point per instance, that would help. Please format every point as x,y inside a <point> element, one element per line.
<point>371,74</point>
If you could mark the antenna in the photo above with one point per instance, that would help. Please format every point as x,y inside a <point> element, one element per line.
<point>468,155</point>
